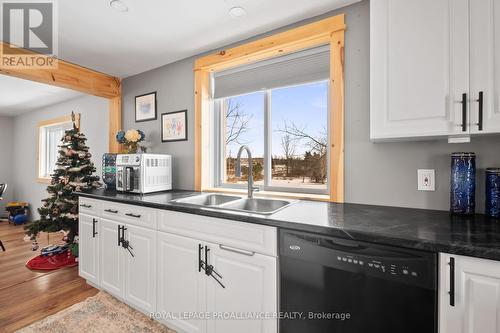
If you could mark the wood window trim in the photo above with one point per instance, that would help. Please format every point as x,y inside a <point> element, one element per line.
<point>75,77</point>
<point>327,31</point>
<point>46,123</point>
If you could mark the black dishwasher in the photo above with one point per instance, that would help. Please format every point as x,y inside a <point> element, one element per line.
<point>333,285</point>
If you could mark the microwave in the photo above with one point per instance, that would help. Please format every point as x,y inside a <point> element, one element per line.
<point>143,173</point>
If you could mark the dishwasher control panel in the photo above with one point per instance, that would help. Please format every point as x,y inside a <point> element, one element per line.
<point>385,267</point>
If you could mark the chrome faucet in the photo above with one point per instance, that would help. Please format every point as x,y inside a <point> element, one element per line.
<point>250,169</point>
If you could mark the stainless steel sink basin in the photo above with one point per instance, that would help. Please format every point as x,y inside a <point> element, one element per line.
<point>234,203</point>
<point>208,199</point>
<point>259,206</point>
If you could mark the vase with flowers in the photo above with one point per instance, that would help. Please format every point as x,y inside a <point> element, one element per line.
<point>130,139</point>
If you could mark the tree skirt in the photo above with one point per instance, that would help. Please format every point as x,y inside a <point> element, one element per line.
<point>49,263</point>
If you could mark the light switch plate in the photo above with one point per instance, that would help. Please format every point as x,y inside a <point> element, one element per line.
<point>426,179</point>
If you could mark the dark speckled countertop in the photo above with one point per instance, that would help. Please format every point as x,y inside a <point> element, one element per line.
<point>430,230</point>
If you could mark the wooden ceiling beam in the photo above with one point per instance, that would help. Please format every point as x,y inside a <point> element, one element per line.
<point>78,78</point>
<point>67,75</point>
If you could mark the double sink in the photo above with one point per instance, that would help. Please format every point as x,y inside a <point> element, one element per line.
<point>235,203</point>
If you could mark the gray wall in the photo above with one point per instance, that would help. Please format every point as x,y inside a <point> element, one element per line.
<point>174,86</point>
<point>94,124</point>
<point>6,150</point>
<point>382,173</point>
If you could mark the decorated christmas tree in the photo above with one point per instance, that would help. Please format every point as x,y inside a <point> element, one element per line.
<point>74,171</point>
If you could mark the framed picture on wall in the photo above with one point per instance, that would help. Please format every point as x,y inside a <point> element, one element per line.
<point>174,126</point>
<point>145,107</point>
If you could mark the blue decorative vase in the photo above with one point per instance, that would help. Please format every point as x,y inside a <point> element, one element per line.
<point>463,183</point>
<point>493,192</point>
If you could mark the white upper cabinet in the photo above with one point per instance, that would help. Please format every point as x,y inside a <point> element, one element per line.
<point>419,59</point>
<point>485,65</point>
<point>429,60</point>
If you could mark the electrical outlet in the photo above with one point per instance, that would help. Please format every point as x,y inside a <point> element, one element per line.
<point>426,180</point>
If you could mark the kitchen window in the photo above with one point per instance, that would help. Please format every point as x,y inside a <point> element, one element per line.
<point>286,92</point>
<point>279,109</point>
<point>50,133</point>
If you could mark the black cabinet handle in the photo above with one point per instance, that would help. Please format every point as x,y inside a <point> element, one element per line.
<point>137,216</point>
<point>480,102</point>
<point>206,259</point>
<point>85,206</point>
<point>452,281</point>
<point>94,233</point>
<point>464,112</point>
<point>111,211</point>
<point>200,262</point>
<point>120,238</point>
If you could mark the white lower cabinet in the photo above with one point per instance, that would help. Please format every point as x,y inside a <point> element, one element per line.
<point>164,269</point>
<point>89,248</point>
<point>181,285</point>
<point>469,295</point>
<point>247,286</point>
<point>249,279</point>
<point>111,259</point>
<point>140,268</point>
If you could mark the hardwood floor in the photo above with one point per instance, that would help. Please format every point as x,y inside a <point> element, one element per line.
<point>27,296</point>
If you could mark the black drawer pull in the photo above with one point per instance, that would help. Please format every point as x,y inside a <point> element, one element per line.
<point>133,215</point>
<point>111,211</point>
<point>85,206</point>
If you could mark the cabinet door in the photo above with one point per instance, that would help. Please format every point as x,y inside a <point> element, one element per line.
<point>140,268</point>
<point>250,287</point>
<point>111,264</point>
<point>477,295</point>
<point>485,64</point>
<point>418,67</point>
<point>88,260</point>
<point>181,286</point>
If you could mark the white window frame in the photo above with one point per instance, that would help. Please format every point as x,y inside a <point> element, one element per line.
<point>44,170</point>
<point>220,156</point>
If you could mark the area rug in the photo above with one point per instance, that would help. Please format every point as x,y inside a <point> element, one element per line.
<point>97,314</point>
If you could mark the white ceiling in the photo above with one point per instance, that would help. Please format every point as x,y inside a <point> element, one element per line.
<point>150,34</point>
<point>157,32</point>
<point>18,96</point>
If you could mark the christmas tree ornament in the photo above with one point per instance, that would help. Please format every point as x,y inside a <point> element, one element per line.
<point>74,171</point>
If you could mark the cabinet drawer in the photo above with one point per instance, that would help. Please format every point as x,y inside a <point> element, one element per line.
<point>89,206</point>
<point>246,236</point>
<point>140,216</point>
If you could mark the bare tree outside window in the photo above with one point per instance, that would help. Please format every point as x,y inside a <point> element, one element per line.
<point>288,144</point>
<point>292,129</point>
<point>236,122</point>
<point>315,159</point>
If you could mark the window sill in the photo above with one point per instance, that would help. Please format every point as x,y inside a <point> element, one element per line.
<point>43,180</point>
<point>290,195</point>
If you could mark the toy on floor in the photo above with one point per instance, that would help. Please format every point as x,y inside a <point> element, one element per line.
<point>51,250</point>
<point>18,212</point>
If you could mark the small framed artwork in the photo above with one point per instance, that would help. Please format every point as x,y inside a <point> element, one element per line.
<point>174,126</point>
<point>145,107</point>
